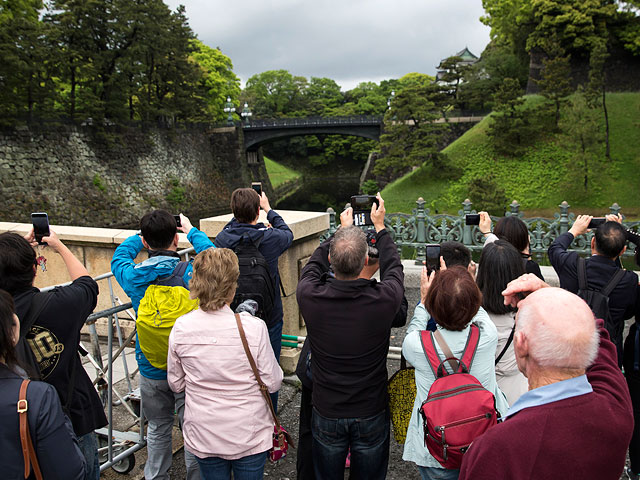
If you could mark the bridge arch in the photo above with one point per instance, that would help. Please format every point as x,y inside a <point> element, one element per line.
<point>259,132</point>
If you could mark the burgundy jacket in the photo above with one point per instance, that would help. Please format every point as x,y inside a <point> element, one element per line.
<point>583,437</point>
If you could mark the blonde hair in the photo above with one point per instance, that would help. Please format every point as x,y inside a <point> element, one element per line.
<point>215,277</point>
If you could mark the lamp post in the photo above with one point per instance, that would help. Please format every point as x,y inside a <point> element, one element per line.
<point>390,99</point>
<point>229,109</point>
<point>246,113</point>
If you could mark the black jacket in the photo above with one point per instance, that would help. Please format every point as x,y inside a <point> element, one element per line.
<point>274,242</point>
<point>348,325</point>
<point>51,433</point>
<point>622,301</point>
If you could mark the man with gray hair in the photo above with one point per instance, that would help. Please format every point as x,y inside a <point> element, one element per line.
<point>349,321</point>
<point>576,419</point>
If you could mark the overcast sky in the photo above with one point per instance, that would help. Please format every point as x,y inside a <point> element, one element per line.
<point>349,41</point>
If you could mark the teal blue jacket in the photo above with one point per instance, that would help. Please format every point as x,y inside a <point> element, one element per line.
<point>134,278</point>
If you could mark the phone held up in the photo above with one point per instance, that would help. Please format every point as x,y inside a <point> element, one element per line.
<point>40,221</point>
<point>257,186</point>
<point>178,221</point>
<point>596,222</point>
<point>472,219</point>
<point>361,205</point>
<point>433,258</point>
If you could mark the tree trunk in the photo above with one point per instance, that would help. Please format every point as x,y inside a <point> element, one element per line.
<point>606,125</point>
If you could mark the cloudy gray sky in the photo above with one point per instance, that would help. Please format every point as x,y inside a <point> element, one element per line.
<point>349,41</point>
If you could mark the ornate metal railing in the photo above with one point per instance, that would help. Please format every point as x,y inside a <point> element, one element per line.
<point>420,228</point>
<point>313,121</point>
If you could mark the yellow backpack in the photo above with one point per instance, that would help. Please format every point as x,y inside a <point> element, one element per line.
<point>163,303</point>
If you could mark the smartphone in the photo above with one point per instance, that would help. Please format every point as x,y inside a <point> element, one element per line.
<point>178,221</point>
<point>433,258</point>
<point>40,221</point>
<point>361,205</point>
<point>257,186</point>
<point>596,222</point>
<point>472,219</point>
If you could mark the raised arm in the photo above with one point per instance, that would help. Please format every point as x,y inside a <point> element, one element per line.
<point>74,266</point>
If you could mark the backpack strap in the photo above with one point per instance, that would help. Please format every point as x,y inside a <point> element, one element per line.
<point>28,452</point>
<point>582,273</point>
<point>613,283</point>
<point>464,363</point>
<point>472,345</point>
<point>178,273</point>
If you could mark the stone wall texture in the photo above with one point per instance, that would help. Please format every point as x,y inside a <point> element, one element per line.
<point>111,176</point>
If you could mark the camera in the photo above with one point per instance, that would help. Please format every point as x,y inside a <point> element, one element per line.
<point>361,205</point>
<point>433,258</point>
<point>178,221</point>
<point>40,221</point>
<point>596,222</point>
<point>257,186</point>
<point>472,219</point>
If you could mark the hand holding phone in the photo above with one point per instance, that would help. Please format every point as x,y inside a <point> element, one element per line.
<point>257,186</point>
<point>433,258</point>
<point>178,221</point>
<point>40,221</point>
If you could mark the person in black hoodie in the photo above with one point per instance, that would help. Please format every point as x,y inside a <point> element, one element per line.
<point>273,239</point>
<point>349,321</point>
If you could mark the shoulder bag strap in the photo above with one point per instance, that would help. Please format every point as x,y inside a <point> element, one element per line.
<point>506,345</point>
<point>582,274</point>
<point>28,452</point>
<point>448,355</point>
<point>613,283</point>
<point>263,388</point>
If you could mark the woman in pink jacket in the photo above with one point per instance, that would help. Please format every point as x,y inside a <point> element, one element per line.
<point>227,424</point>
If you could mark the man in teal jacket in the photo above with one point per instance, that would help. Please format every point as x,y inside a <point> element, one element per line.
<point>159,234</point>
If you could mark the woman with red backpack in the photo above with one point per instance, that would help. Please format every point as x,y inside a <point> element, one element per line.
<point>452,298</point>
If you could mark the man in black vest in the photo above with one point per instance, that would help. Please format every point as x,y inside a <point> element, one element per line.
<point>608,243</point>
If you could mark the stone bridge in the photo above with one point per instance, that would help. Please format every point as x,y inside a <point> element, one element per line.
<point>261,131</point>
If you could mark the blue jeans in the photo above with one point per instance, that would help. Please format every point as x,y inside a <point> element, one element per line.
<point>275,337</point>
<point>88,444</point>
<point>250,467</point>
<point>435,473</point>
<point>367,437</point>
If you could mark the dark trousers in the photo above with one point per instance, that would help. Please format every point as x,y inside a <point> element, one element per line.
<point>633,381</point>
<point>366,437</point>
<point>304,459</point>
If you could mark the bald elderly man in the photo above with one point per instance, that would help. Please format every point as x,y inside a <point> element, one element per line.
<point>576,419</point>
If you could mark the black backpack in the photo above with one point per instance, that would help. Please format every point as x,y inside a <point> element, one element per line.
<point>598,300</point>
<point>255,281</point>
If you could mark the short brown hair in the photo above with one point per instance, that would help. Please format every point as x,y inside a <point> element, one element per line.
<point>453,298</point>
<point>245,204</point>
<point>215,277</point>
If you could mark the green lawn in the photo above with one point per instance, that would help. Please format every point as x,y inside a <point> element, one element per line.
<point>539,179</point>
<point>279,174</point>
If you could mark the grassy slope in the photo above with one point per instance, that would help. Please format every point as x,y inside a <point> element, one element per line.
<point>540,179</point>
<point>279,174</point>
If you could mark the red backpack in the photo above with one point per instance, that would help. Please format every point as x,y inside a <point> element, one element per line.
<point>458,408</point>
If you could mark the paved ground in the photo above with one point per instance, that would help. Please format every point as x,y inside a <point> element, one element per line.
<point>289,405</point>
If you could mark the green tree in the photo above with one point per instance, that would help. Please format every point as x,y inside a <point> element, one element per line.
<point>582,127</point>
<point>275,93</point>
<point>454,74</point>
<point>323,96</point>
<point>555,81</point>
<point>412,135</point>
<point>217,81</point>
<point>595,93</point>
<point>509,122</point>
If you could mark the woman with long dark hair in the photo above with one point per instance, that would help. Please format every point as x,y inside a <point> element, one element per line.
<point>514,231</point>
<point>54,442</point>
<point>500,263</point>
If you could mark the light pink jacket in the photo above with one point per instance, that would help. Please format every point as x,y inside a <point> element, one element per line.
<point>225,415</point>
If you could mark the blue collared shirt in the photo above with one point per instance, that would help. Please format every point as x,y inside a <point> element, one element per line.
<point>551,393</point>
